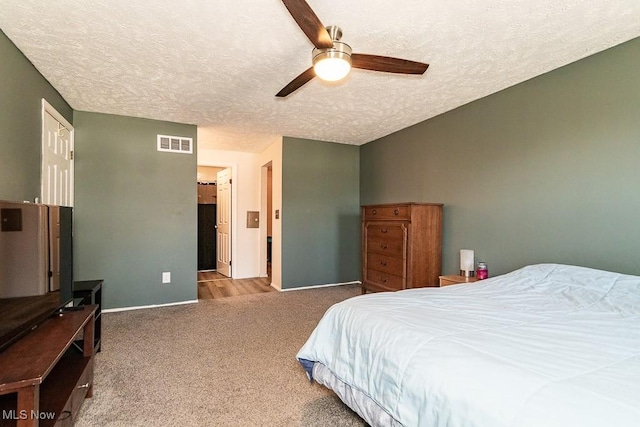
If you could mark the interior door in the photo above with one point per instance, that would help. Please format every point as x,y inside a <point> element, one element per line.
<point>223,261</point>
<point>57,160</point>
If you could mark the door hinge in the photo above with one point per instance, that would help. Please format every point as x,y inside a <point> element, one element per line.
<point>71,155</point>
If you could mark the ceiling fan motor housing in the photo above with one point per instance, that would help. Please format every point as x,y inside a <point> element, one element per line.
<point>335,32</point>
<point>339,50</point>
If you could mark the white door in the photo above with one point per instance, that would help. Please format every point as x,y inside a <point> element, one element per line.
<point>223,220</point>
<point>57,158</point>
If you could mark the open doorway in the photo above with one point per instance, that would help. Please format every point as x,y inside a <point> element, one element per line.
<point>266,212</point>
<point>207,222</point>
<point>214,224</point>
<point>269,215</point>
<point>214,220</point>
<point>217,282</point>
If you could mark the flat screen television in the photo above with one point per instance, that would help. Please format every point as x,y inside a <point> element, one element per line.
<point>36,266</point>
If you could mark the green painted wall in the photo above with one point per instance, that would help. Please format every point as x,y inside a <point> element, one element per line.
<point>135,213</point>
<point>545,171</point>
<point>136,210</point>
<point>22,88</point>
<point>320,213</point>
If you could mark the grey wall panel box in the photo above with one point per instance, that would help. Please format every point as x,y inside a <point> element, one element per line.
<point>253,219</point>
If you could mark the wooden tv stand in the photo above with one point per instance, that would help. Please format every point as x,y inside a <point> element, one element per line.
<point>44,378</point>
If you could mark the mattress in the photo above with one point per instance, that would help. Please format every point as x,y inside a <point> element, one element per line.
<point>545,345</point>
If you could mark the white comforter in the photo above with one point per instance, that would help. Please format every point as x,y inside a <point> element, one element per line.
<point>546,345</point>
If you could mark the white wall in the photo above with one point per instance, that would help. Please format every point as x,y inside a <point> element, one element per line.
<point>245,196</point>
<point>208,173</point>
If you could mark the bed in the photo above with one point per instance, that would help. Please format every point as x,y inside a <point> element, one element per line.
<point>545,345</point>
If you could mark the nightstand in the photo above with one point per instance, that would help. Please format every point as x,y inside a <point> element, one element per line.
<point>89,292</point>
<point>455,279</point>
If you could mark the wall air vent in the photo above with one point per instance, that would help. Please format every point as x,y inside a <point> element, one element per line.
<point>175,144</point>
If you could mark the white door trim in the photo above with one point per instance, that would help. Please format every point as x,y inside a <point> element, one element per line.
<point>59,117</point>
<point>49,109</point>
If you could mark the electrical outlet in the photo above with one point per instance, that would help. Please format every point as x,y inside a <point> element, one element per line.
<point>166,277</point>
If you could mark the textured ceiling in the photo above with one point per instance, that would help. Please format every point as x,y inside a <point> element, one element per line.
<point>218,64</point>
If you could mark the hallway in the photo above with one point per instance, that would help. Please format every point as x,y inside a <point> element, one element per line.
<point>213,285</point>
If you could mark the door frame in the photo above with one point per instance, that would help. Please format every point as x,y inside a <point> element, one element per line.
<point>264,213</point>
<point>234,207</point>
<point>48,108</point>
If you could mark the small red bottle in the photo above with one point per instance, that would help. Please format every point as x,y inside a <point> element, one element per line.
<point>482,272</point>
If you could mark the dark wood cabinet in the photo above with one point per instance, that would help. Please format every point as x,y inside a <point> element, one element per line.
<point>44,379</point>
<point>89,292</point>
<point>207,237</point>
<point>401,246</point>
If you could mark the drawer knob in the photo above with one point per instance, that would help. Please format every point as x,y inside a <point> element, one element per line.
<point>383,279</point>
<point>384,230</point>
<point>383,263</point>
<point>383,245</point>
<point>396,212</point>
<point>374,212</point>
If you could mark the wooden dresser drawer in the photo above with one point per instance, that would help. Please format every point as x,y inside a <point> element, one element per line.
<point>384,246</point>
<point>386,264</point>
<point>78,391</point>
<point>386,212</point>
<point>389,281</point>
<point>388,230</point>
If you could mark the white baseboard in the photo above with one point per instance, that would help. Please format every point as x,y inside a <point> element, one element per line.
<point>302,288</point>
<point>141,307</point>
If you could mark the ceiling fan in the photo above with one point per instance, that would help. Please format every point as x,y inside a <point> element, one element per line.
<point>333,59</point>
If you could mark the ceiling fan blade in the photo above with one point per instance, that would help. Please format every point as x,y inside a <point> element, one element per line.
<point>309,23</point>
<point>387,64</point>
<point>297,83</point>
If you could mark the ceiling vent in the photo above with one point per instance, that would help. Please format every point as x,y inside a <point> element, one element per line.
<point>175,144</point>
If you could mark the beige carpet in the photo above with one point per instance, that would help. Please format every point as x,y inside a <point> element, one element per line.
<point>227,362</point>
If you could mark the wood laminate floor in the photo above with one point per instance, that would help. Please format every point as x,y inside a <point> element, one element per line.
<point>212,285</point>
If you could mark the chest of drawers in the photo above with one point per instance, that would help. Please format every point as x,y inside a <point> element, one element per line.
<point>401,246</point>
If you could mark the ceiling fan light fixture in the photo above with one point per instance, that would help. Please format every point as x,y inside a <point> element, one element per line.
<point>332,64</point>
<point>332,60</point>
